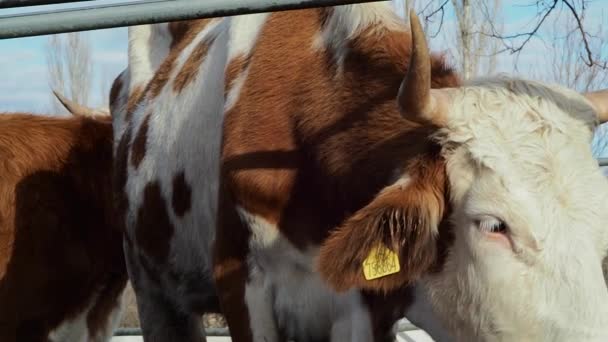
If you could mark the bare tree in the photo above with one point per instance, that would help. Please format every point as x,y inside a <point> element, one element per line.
<point>576,9</point>
<point>105,81</point>
<point>564,62</point>
<point>565,59</point>
<point>69,68</point>
<point>476,49</point>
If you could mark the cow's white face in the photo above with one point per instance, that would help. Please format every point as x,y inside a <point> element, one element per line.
<point>529,217</point>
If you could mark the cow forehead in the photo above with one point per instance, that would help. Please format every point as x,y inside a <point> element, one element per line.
<point>513,121</point>
<point>516,135</point>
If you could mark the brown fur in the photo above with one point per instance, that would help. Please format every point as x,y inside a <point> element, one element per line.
<point>230,269</point>
<point>154,228</point>
<point>119,181</point>
<point>182,195</point>
<point>189,70</point>
<point>280,165</point>
<point>56,209</point>
<point>179,43</point>
<point>186,29</point>
<point>316,156</point>
<point>401,218</point>
<point>309,147</point>
<point>236,67</point>
<point>135,97</point>
<point>115,91</point>
<point>138,148</point>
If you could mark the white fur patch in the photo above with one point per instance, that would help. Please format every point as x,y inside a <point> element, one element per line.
<point>73,330</point>
<point>244,32</point>
<point>519,152</point>
<point>263,233</point>
<point>284,285</point>
<point>148,47</point>
<point>76,329</point>
<point>348,21</point>
<point>184,136</point>
<point>258,298</point>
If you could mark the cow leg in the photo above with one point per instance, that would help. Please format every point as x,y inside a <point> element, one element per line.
<point>230,275</point>
<point>162,321</point>
<point>356,326</point>
<point>244,300</point>
<point>160,318</point>
<point>259,305</point>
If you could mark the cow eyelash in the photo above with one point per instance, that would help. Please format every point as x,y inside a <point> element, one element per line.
<point>491,225</point>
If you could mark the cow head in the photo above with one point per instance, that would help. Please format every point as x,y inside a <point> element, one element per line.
<point>506,227</point>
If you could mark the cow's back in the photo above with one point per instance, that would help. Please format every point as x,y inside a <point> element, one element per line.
<point>61,261</point>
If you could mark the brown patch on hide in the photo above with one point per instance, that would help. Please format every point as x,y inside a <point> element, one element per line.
<point>182,194</point>
<point>235,68</point>
<point>115,90</point>
<point>108,300</point>
<point>154,230</point>
<point>138,148</point>
<point>191,67</point>
<point>119,181</point>
<point>404,218</point>
<point>186,28</point>
<point>313,134</point>
<point>162,75</point>
<point>230,268</point>
<point>135,98</point>
<point>309,146</point>
<point>58,240</point>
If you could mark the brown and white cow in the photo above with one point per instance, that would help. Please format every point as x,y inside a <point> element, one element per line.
<point>62,269</point>
<point>341,180</point>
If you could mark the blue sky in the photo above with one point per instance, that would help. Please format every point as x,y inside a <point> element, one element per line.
<point>24,84</point>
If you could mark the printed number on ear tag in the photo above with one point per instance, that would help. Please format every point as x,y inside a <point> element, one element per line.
<point>380,262</point>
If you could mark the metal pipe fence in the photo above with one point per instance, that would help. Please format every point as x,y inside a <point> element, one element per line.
<point>401,326</point>
<point>143,12</point>
<point>149,12</point>
<point>25,3</point>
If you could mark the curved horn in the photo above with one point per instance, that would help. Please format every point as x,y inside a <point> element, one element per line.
<point>415,98</point>
<point>75,108</point>
<point>599,100</point>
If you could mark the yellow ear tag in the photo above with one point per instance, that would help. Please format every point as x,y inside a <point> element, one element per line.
<point>380,262</point>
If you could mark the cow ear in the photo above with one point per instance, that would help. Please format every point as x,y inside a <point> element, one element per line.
<point>390,242</point>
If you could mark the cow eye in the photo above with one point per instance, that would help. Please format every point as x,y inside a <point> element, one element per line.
<point>491,225</point>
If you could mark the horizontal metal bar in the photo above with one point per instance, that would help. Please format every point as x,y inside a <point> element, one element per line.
<point>148,12</point>
<point>138,332</point>
<point>402,326</point>
<point>25,3</point>
<point>602,161</point>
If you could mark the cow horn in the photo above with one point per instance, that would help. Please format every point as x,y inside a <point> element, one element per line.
<point>415,99</point>
<point>599,100</point>
<point>75,108</point>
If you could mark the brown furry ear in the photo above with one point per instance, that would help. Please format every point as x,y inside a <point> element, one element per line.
<point>404,218</point>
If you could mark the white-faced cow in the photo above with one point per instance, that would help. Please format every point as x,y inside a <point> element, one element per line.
<point>352,166</point>
<point>62,269</point>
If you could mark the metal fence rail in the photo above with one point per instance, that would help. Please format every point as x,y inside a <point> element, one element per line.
<point>145,12</point>
<point>401,326</point>
<point>24,3</point>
